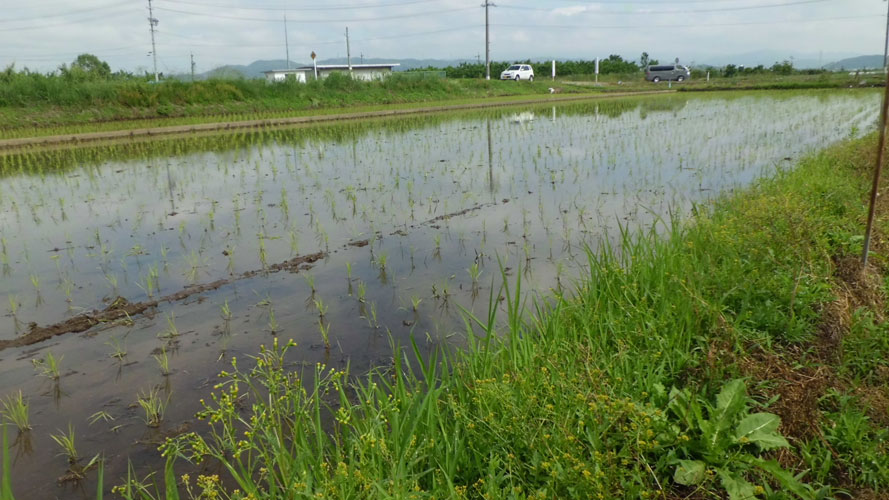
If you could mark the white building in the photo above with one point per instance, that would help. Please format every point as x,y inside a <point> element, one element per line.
<point>303,74</point>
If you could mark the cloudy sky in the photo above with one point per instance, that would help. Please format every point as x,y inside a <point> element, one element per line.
<point>42,34</point>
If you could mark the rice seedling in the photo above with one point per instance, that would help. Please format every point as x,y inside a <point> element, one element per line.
<point>48,366</point>
<point>15,409</point>
<point>67,443</point>
<point>13,304</point>
<point>154,406</point>
<point>362,291</point>
<point>310,280</point>
<point>118,348</point>
<point>415,302</point>
<point>163,361</point>
<point>325,333</point>
<point>294,243</point>
<point>373,315</point>
<point>321,307</point>
<point>273,322</point>
<point>193,266</point>
<point>171,331</point>
<point>474,273</point>
<point>111,279</point>
<point>100,415</point>
<point>226,311</point>
<point>263,256</point>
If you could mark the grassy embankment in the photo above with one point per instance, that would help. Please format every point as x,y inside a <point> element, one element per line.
<point>743,351</point>
<point>27,111</point>
<point>52,106</point>
<point>756,81</point>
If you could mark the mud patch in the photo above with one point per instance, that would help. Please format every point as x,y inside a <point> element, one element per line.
<point>122,309</point>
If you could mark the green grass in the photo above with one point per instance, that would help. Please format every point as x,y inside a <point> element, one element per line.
<point>5,468</point>
<point>123,105</point>
<point>34,105</point>
<point>649,380</point>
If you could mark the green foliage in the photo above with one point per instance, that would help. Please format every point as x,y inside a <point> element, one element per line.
<point>853,445</point>
<point>866,334</point>
<point>613,64</point>
<point>15,409</point>
<point>725,440</point>
<point>86,67</point>
<point>782,68</point>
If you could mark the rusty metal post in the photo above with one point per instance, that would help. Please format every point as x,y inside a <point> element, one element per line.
<point>881,145</point>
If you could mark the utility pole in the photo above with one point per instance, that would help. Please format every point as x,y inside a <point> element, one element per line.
<point>152,22</point>
<point>348,54</point>
<point>362,58</point>
<point>286,43</point>
<point>192,67</point>
<point>881,146</point>
<point>488,3</point>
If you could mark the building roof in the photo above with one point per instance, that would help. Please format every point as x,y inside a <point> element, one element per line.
<point>333,66</point>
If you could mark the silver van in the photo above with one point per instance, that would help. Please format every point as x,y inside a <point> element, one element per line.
<point>667,72</point>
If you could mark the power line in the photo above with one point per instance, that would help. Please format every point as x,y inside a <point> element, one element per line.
<point>70,13</point>
<point>685,11</point>
<point>315,21</point>
<point>674,25</point>
<point>295,9</point>
<point>90,18</point>
<point>319,42</point>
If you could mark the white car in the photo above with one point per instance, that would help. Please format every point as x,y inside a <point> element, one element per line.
<point>518,72</point>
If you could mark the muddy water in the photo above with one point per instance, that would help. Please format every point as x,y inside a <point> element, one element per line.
<point>403,212</point>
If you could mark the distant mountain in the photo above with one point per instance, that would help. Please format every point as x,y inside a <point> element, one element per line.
<point>770,57</point>
<point>854,63</point>
<point>252,70</point>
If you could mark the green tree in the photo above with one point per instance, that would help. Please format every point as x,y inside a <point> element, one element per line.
<point>783,68</point>
<point>86,67</point>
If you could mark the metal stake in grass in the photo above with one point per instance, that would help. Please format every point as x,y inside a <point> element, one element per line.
<point>881,146</point>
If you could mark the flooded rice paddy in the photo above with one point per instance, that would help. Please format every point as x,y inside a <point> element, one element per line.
<point>143,268</point>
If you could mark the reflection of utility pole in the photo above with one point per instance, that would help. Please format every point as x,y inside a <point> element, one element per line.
<point>490,162</point>
<point>488,3</point>
<point>152,22</point>
<point>170,187</point>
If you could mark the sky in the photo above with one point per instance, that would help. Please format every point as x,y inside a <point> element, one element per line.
<point>43,34</point>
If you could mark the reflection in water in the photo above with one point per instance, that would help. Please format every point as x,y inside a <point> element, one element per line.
<point>423,236</point>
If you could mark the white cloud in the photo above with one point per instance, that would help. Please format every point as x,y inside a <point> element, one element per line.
<point>44,34</point>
